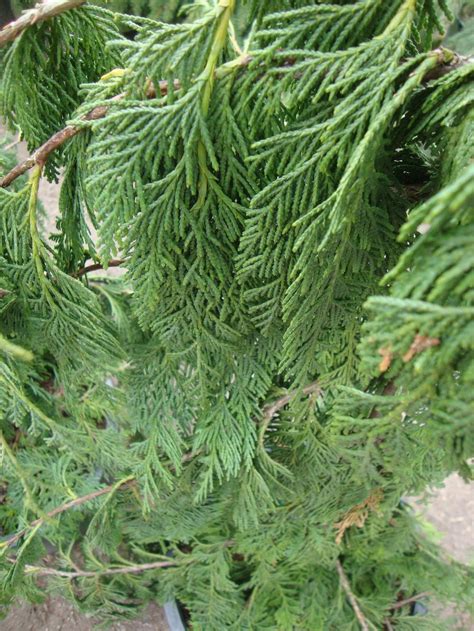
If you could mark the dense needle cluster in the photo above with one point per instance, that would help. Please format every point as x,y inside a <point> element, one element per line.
<point>289,186</point>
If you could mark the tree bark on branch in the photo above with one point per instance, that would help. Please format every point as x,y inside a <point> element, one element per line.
<point>97,266</point>
<point>41,154</point>
<point>39,13</point>
<point>351,597</point>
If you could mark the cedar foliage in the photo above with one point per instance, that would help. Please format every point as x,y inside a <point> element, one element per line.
<point>234,421</point>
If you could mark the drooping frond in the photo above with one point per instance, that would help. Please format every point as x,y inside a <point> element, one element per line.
<point>296,252</point>
<point>420,336</point>
<point>40,91</point>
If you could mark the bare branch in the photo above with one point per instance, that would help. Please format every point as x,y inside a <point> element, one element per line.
<point>271,409</point>
<point>41,154</point>
<point>350,596</point>
<point>97,266</point>
<point>407,601</point>
<point>39,13</point>
<point>131,569</point>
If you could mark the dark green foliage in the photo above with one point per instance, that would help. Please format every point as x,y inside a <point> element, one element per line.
<point>235,421</point>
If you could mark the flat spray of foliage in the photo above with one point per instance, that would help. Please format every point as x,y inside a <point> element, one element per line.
<point>289,186</point>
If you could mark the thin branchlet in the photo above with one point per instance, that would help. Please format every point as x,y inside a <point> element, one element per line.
<point>42,11</point>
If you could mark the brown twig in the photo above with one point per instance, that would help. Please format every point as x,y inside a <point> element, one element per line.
<point>271,409</point>
<point>407,601</point>
<point>41,154</point>
<point>97,266</point>
<point>401,603</point>
<point>350,596</point>
<point>39,13</point>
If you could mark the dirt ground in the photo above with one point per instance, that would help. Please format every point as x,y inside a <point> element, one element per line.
<point>451,511</point>
<point>56,614</point>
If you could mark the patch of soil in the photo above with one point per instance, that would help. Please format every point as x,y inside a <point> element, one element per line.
<point>57,614</point>
<point>451,511</point>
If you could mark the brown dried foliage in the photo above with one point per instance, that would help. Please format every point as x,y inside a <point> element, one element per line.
<point>358,514</point>
<point>419,344</point>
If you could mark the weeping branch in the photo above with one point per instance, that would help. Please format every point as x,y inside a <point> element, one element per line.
<point>40,156</point>
<point>447,63</point>
<point>127,569</point>
<point>39,13</point>
<point>269,412</point>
